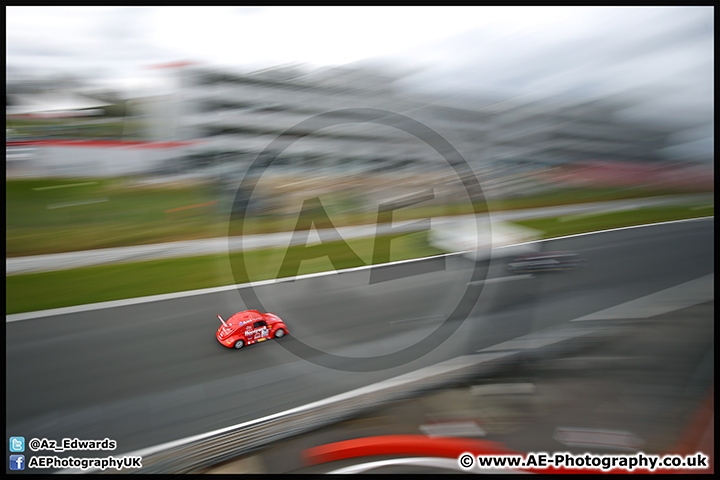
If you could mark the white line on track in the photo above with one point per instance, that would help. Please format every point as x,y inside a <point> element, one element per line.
<point>204,291</point>
<point>445,367</point>
<point>427,319</point>
<point>669,222</point>
<point>501,279</point>
<point>440,369</point>
<point>169,296</point>
<point>699,290</point>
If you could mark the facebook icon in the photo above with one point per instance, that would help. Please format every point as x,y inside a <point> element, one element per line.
<point>17,462</point>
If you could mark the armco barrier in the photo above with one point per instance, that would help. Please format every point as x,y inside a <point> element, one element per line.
<point>193,454</point>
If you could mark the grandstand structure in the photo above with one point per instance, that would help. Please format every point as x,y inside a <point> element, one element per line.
<point>234,116</point>
<point>216,121</point>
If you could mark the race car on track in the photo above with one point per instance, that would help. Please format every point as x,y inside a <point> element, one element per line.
<point>248,327</point>
<point>546,262</point>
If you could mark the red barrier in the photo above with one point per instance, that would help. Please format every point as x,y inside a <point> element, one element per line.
<point>416,445</point>
<point>190,206</point>
<point>451,447</point>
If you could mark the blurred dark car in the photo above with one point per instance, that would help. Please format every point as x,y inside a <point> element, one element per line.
<point>546,262</point>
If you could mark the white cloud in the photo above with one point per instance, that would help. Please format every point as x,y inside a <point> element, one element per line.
<point>512,50</point>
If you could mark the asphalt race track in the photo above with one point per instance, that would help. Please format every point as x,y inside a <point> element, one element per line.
<point>153,372</point>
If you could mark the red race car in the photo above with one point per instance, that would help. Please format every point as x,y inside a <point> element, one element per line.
<point>248,327</point>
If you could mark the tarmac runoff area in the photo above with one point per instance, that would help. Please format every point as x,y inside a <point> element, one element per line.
<point>63,261</point>
<point>643,386</point>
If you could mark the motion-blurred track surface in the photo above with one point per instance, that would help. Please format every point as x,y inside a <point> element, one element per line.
<point>153,372</point>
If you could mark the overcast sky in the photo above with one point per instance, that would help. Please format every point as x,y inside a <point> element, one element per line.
<point>664,53</point>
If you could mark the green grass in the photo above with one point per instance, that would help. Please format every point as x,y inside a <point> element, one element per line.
<point>40,291</point>
<point>40,220</point>
<point>38,223</point>
<point>114,128</point>
<point>572,224</point>
<point>567,196</point>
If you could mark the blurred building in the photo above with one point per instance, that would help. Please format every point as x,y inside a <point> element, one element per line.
<point>53,104</point>
<point>87,158</point>
<point>60,140</point>
<point>555,134</point>
<point>218,121</point>
<point>237,115</point>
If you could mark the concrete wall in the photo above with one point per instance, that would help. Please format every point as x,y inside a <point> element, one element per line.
<point>95,158</point>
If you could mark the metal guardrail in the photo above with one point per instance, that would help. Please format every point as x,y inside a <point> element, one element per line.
<point>196,453</point>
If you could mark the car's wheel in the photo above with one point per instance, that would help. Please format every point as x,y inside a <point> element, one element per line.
<point>279,333</point>
<point>239,344</point>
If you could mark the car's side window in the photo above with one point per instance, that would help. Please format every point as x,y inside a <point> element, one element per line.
<point>260,329</point>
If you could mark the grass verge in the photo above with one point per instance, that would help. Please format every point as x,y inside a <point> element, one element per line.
<point>41,291</point>
<point>573,224</point>
<point>63,215</point>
